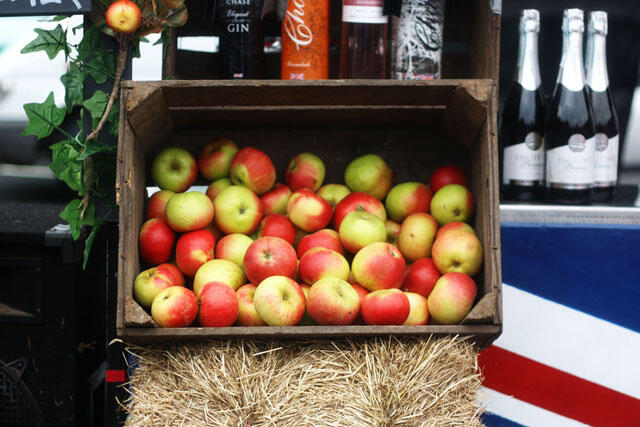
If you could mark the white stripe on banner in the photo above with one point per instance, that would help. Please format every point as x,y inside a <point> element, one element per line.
<point>521,412</point>
<point>571,341</point>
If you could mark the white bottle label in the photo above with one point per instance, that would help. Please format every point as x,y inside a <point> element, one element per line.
<point>363,11</point>
<point>606,160</point>
<point>571,166</point>
<point>524,162</point>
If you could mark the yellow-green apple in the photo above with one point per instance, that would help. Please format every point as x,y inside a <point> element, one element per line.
<point>279,301</point>
<point>253,169</point>
<point>361,202</point>
<point>123,16</point>
<point>217,186</point>
<point>385,307</point>
<point>218,305</point>
<point>305,170</point>
<point>189,211</point>
<point>325,238</point>
<point>247,313</point>
<point>446,175</point>
<point>308,210</point>
<point>174,307</point>
<point>421,277</point>
<point>332,301</point>
<point>307,320</point>
<point>275,201</point>
<point>215,158</point>
<point>456,225</point>
<point>149,283</point>
<point>393,229</point>
<point>452,298</point>
<point>407,198</point>
<point>369,174</point>
<point>218,270</point>
<point>194,249</point>
<point>457,251</point>
<point>416,235</point>
<point>379,266</point>
<point>157,205</point>
<point>453,202</point>
<point>155,241</point>
<point>232,247</point>
<point>418,310</point>
<point>360,228</point>
<point>362,292</point>
<point>318,263</point>
<point>333,193</point>
<point>277,225</point>
<point>174,169</point>
<point>238,210</point>
<point>270,256</point>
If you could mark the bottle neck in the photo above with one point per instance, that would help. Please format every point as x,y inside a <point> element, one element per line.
<point>597,76</point>
<point>528,74</point>
<point>571,73</point>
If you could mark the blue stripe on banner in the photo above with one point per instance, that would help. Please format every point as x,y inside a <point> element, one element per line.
<point>493,420</point>
<point>592,269</point>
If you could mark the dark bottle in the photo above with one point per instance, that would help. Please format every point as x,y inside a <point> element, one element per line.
<point>241,38</point>
<point>364,40</point>
<point>605,117</point>
<point>523,120</point>
<point>569,131</point>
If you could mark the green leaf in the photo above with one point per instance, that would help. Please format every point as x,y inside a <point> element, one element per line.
<point>135,48</point>
<point>90,42</point>
<point>66,165</point>
<point>94,147</point>
<point>101,66</point>
<point>51,41</point>
<point>73,81</point>
<point>88,244</point>
<point>73,215</point>
<point>43,118</point>
<point>96,105</point>
<point>114,119</point>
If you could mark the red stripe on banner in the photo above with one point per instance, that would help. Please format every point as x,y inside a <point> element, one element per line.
<point>555,390</point>
<point>116,376</point>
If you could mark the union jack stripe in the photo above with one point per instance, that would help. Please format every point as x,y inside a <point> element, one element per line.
<point>296,76</point>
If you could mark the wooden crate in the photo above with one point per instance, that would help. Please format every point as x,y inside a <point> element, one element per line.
<point>415,126</point>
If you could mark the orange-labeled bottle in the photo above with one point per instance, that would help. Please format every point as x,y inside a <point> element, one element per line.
<point>305,40</point>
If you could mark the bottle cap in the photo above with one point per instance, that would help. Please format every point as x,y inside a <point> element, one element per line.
<point>530,21</point>
<point>598,22</point>
<point>573,21</point>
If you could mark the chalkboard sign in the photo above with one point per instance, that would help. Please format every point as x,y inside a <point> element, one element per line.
<point>43,7</point>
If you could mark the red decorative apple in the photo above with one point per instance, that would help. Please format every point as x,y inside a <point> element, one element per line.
<point>452,298</point>
<point>275,200</point>
<point>446,175</point>
<point>253,169</point>
<point>379,266</point>
<point>151,282</point>
<point>279,301</point>
<point>174,307</point>
<point>194,249</point>
<point>155,241</point>
<point>247,313</point>
<point>277,225</point>
<point>157,205</point>
<point>215,158</point>
<point>332,301</point>
<point>421,277</point>
<point>189,211</point>
<point>358,202</point>
<point>325,238</point>
<point>318,263</point>
<point>407,198</point>
<point>123,16</point>
<point>305,170</point>
<point>270,256</point>
<point>218,305</point>
<point>385,307</point>
<point>308,211</point>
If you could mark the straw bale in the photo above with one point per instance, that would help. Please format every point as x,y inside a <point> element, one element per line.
<point>352,382</point>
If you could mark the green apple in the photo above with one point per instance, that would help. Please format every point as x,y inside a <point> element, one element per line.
<point>238,210</point>
<point>189,211</point>
<point>457,251</point>
<point>369,174</point>
<point>451,203</point>
<point>416,235</point>
<point>333,193</point>
<point>280,301</point>
<point>217,186</point>
<point>359,228</point>
<point>218,270</point>
<point>174,169</point>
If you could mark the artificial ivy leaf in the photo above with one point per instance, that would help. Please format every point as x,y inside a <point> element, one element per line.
<point>73,81</point>
<point>90,42</point>
<point>96,105</point>
<point>50,41</point>
<point>88,244</point>
<point>43,118</point>
<point>73,215</point>
<point>114,119</point>
<point>101,66</point>
<point>93,147</point>
<point>66,165</point>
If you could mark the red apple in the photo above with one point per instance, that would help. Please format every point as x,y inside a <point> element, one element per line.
<point>358,202</point>
<point>446,175</point>
<point>157,205</point>
<point>333,193</point>
<point>174,307</point>
<point>253,169</point>
<point>318,263</point>
<point>238,210</point>
<point>452,298</point>
<point>305,170</point>
<point>451,203</point>
<point>277,225</point>
<point>456,225</point>
<point>216,187</point>
<point>325,238</point>
<point>308,211</point>
<point>407,198</point>
<point>332,301</point>
<point>123,16</point>
<point>194,249</point>
<point>270,256</point>
<point>385,307</point>
<point>275,201</point>
<point>174,169</point>
<point>360,228</point>
<point>421,277</point>
<point>393,229</point>
<point>362,292</point>
<point>379,266</point>
<point>416,235</point>
<point>306,320</point>
<point>418,310</point>
<point>457,251</point>
<point>215,158</point>
<point>218,270</point>
<point>189,211</point>
<point>218,305</point>
<point>247,313</point>
<point>233,247</point>
<point>369,174</point>
<point>150,282</point>
<point>279,301</point>
<point>155,241</point>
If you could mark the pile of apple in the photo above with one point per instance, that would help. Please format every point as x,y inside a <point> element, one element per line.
<point>258,253</point>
